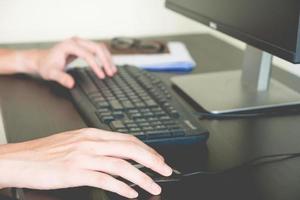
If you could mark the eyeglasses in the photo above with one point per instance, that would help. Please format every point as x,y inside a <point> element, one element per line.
<point>136,45</point>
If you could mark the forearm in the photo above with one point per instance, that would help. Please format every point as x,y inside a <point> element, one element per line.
<point>12,158</point>
<point>5,165</point>
<point>18,61</point>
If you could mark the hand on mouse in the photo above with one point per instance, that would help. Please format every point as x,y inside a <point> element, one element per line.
<point>85,157</point>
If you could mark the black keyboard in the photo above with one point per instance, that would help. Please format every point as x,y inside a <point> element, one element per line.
<point>135,102</point>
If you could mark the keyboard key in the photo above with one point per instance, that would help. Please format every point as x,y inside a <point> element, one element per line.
<point>95,95</point>
<point>158,134</point>
<point>148,114</point>
<point>118,114</point>
<point>127,104</point>
<point>178,132</point>
<point>128,121</point>
<point>132,125</point>
<point>139,134</point>
<point>98,99</point>
<point>103,110</point>
<point>122,130</point>
<point>107,119</point>
<point>174,113</point>
<point>116,105</point>
<point>173,126</point>
<point>160,127</point>
<point>160,114</point>
<point>135,115</point>
<point>144,124</point>
<point>155,123</point>
<point>165,118</point>
<point>87,85</point>
<point>102,104</point>
<point>170,122</point>
<point>133,111</point>
<point>117,125</point>
<point>140,105</point>
<point>150,103</point>
<point>152,119</point>
<point>145,110</point>
<point>140,120</point>
<point>137,129</point>
<point>147,128</point>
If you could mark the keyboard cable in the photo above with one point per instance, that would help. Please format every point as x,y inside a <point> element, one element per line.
<point>244,114</point>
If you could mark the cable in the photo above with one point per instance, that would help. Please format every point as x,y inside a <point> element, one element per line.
<point>178,176</point>
<point>18,193</point>
<point>254,162</point>
<point>245,114</point>
<point>222,116</point>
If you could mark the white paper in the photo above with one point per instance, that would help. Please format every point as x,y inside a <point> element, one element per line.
<point>178,54</point>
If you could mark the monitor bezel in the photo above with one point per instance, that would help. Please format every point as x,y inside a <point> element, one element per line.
<point>273,49</point>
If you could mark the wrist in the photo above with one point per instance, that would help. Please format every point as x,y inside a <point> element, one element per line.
<point>7,173</point>
<point>11,164</point>
<point>5,168</point>
<point>27,61</point>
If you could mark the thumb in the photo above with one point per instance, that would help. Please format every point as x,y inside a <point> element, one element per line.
<point>62,78</point>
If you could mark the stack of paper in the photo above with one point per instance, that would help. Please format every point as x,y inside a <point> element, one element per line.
<point>178,59</point>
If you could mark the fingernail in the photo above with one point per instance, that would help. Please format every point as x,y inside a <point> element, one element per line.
<point>133,194</point>
<point>110,73</point>
<point>155,188</point>
<point>102,76</point>
<point>67,84</point>
<point>168,170</point>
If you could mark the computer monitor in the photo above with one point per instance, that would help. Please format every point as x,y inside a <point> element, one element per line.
<point>269,27</point>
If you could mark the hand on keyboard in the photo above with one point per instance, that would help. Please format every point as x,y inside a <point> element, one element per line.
<point>52,62</point>
<point>86,157</point>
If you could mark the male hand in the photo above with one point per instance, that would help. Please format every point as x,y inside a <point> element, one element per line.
<point>85,157</point>
<point>52,62</point>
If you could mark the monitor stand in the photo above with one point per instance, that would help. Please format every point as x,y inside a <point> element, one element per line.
<point>249,89</point>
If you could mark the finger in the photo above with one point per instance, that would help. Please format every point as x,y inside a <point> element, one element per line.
<point>97,134</point>
<point>61,77</point>
<point>108,54</point>
<point>106,182</point>
<point>73,49</point>
<point>124,169</point>
<point>101,52</point>
<point>132,151</point>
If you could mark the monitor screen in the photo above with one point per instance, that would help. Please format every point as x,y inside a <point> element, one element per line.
<point>270,25</point>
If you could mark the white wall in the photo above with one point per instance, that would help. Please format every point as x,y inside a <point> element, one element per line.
<point>38,20</point>
<point>44,20</point>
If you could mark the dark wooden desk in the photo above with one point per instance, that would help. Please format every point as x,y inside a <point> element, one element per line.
<point>33,108</point>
